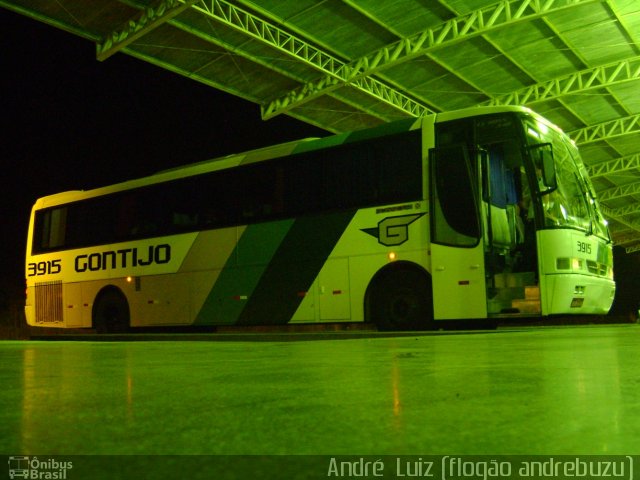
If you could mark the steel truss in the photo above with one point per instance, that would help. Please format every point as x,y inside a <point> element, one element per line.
<point>623,211</point>
<point>472,24</point>
<point>360,73</point>
<point>589,79</point>
<point>151,18</point>
<point>633,225</point>
<point>619,191</point>
<point>607,130</point>
<point>303,51</point>
<point>357,73</point>
<point>617,165</point>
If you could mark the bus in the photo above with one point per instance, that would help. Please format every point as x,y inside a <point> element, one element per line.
<point>477,214</point>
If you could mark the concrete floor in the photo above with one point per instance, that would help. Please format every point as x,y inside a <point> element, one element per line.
<point>548,390</point>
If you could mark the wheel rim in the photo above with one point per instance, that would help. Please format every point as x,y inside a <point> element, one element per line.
<point>404,309</point>
<point>400,300</point>
<point>112,314</point>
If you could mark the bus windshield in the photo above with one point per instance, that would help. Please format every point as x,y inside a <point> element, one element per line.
<point>568,199</point>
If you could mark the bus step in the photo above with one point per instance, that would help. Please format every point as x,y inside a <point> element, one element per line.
<point>532,292</point>
<point>530,303</point>
<point>518,301</point>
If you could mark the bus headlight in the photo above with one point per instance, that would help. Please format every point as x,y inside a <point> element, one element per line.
<point>566,263</point>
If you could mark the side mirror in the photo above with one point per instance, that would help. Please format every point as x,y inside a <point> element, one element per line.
<point>542,156</point>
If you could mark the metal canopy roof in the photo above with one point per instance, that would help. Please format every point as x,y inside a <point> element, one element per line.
<point>344,65</point>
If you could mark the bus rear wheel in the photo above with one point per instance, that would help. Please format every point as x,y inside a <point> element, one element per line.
<point>400,299</point>
<point>111,312</point>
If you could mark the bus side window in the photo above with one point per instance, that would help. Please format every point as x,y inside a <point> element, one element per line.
<point>454,212</point>
<point>51,229</point>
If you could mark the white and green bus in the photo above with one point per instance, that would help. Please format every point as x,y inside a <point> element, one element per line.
<point>480,214</point>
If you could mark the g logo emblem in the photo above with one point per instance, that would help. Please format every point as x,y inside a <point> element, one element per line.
<point>393,231</point>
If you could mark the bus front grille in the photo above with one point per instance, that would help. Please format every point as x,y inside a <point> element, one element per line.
<point>49,302</point>
<point>597,268</point>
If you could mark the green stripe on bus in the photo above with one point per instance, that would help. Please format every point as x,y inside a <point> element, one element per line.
<point>242,272</point>
<point>392,128</point>
<point>294,267</point>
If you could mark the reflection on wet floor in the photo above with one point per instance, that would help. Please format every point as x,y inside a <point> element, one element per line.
<point>562,390</point>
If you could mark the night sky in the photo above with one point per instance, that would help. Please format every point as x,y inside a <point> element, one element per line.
<point>70,122</point>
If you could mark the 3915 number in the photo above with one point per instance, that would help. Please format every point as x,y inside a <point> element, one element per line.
<point>584,247</point>
<point>50,267</point>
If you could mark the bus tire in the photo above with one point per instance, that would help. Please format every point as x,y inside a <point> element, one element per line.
<point>400,298</point>
<point>111,312</point>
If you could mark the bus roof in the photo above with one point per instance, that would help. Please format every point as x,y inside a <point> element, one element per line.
<point>205,166</point>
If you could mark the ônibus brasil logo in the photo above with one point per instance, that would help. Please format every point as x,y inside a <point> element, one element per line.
<point>33,468</point>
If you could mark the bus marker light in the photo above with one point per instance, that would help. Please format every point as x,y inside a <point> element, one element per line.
<point>392,256</point>
<point>463,282</point>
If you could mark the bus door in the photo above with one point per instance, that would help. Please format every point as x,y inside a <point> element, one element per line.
<point>508,231</point>
<point>457,254</point>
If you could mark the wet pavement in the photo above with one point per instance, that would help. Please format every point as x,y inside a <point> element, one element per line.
<point>550,390</point>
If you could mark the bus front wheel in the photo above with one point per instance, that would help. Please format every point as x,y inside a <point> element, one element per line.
<point>111,312</point>
<point>400,299</point>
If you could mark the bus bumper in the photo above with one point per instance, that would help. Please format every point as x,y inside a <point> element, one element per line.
<point>578,294</point>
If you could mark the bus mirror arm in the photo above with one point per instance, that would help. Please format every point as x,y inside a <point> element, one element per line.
<point>589,232</point>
